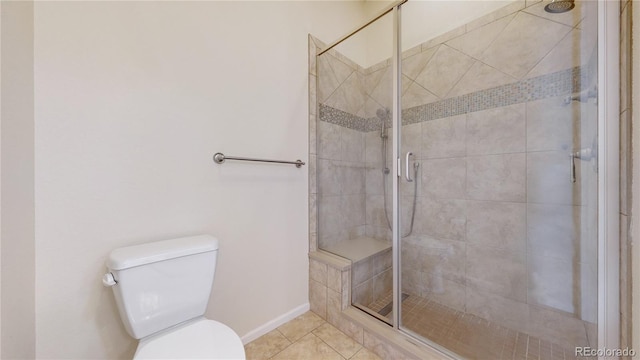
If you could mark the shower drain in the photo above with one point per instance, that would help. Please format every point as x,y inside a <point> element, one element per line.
<point>387,308</point>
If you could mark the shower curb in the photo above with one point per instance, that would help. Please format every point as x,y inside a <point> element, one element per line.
<point>330,298</point>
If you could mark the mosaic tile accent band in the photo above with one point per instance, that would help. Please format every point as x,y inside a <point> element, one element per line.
<point>555,84</point>
<point>342,118</point>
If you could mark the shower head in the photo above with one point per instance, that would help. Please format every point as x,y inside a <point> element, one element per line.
<point>383,114</point>
<point>559,6</point>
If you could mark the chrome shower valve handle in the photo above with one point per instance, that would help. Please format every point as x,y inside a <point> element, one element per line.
<point>586,154</point>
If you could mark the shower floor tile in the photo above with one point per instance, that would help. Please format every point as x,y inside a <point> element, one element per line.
<point>469,335</point>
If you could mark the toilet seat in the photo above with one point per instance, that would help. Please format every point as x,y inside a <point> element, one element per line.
<point>199,339</point>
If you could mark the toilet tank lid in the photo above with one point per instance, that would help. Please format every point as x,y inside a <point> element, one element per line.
<point>131,256</point>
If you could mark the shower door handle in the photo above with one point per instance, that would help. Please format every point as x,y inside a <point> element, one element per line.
<point>407,174</point>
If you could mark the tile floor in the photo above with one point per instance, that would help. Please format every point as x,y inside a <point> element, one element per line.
<point>310,337</point>
<point>307,337</point>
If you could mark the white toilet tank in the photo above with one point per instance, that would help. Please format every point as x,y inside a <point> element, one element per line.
<point>164,283</point>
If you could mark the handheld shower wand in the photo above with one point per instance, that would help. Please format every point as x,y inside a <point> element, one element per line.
<point>383,115</point>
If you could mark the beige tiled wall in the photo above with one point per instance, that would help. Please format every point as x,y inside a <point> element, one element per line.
<point>340,186</point>
<point>372,278</point>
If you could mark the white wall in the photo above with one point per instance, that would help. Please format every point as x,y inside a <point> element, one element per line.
<point>422,20</point>
<point>131,102</point>
<point>17,191</point>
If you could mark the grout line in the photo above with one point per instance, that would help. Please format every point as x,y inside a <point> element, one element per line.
<point>514,14</point>
<point>551,20</point>
<point>286,347</point>
<point>326,343</point>
<point>555,46</point>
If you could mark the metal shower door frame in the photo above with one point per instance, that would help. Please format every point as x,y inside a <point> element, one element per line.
<point>608,175</point>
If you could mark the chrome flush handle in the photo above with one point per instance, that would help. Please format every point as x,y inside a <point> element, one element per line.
<point>407,173</point>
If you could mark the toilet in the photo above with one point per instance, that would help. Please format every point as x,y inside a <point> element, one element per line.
<point>162,290</point>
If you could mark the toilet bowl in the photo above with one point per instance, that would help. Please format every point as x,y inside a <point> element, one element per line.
<point>162,290</point>
<point>199,339</point>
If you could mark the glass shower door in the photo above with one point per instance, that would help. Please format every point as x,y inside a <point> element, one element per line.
<point>354,162</point>
<point>498,194</point>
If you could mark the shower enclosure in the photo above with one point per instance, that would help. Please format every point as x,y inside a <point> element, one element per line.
<point>462,169</point>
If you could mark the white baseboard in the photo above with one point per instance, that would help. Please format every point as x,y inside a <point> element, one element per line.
<point>273,324</point>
